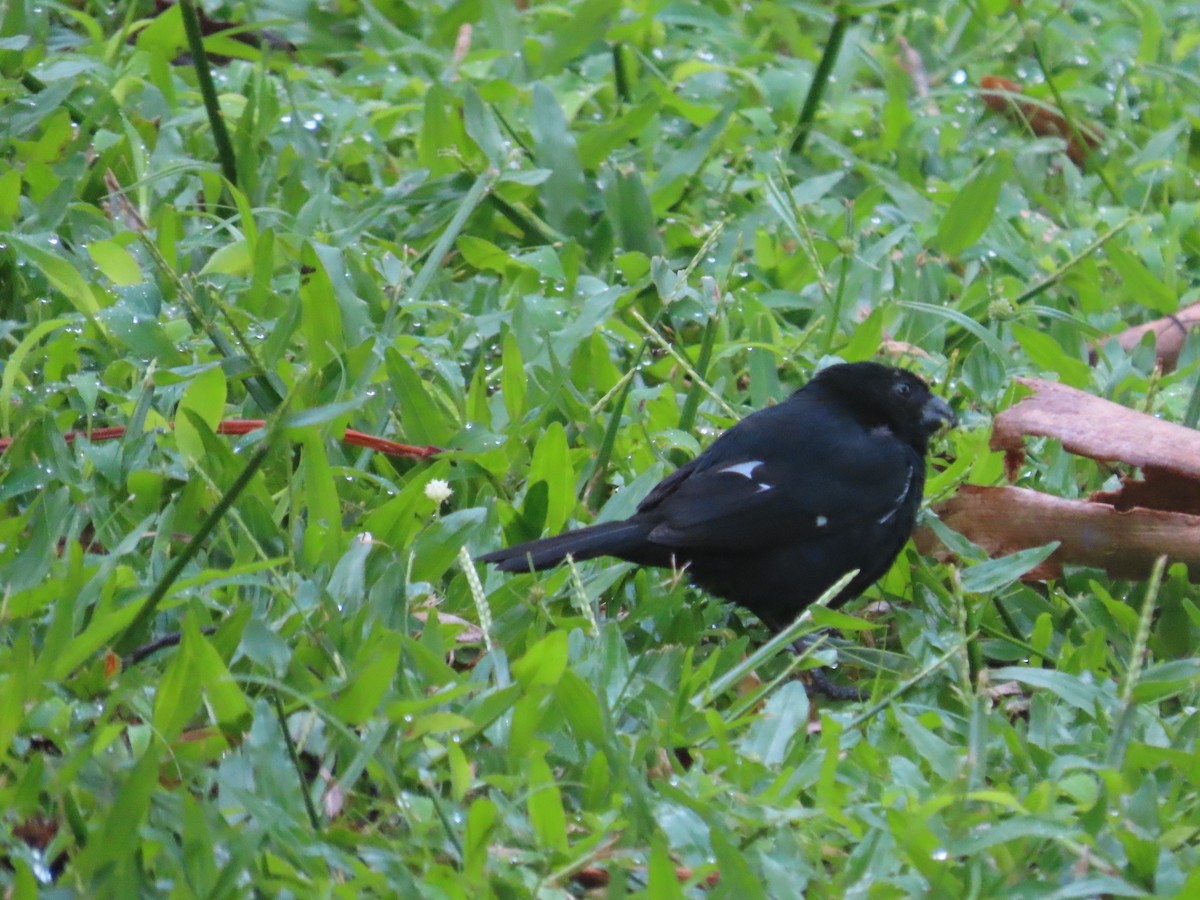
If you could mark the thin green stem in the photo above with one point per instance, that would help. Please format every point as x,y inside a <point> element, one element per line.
<point>1077,133</point>
<point>309,807</point>
<point>133,633</point>
<point>195,39</point>
<point>816,89</point>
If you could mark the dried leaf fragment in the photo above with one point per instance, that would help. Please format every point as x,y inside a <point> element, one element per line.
<point>1003,520</point>
<point>1169,334</point>
<point>1098,429</point>
<point>1003,96</point>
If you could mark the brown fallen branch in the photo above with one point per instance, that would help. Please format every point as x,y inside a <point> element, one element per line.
<point>1169,334</point>
<point>1121,531</point>
<point>1125,543</point>
<point>245,426</point>
<point>1098,429</point>
<point>1005,97</point>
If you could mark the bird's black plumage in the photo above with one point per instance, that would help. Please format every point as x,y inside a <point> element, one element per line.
<point>784,503</point>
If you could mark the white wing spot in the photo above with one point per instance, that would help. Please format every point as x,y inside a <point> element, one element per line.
<point>764,487</point>
<point>822,521</point>
<point>743,468</point>
<point>900,499</point>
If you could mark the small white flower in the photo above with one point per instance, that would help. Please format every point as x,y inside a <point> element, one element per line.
<point>438,491</point>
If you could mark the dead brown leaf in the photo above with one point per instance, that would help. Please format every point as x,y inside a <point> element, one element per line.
<point>1003,520</point>
<point>1096,428</point>
<point>1004,96</point>
<point>1169,334</point>
<point>1122,531</point>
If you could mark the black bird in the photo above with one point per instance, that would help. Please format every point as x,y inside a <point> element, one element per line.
<point>784,503</point>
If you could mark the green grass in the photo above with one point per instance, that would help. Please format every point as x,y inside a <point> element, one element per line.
<point>570,252</point>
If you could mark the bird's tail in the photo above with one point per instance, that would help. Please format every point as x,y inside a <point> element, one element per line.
<point>605,539</point>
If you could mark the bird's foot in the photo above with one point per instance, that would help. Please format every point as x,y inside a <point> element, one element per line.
<point>821,685</point>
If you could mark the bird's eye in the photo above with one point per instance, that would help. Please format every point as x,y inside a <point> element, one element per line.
<point>903,389</point>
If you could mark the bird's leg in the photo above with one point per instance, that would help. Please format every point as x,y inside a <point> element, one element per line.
<point>820,684</point>
<point>823,686</point>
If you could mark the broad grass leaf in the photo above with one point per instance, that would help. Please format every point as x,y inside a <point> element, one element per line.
<point>63,276</point>
<point>1165,679</point>
<point>989,577</point>
<point>231,259</point>
<point>1050,356</point>
<point>370,678</point>
<point>178,694</point>
<point>15,360</point>
<point>117,263</point>
<point>574,33</point>
<point>552,464</point>
<point>544,803</point>
<point>773,730</point>
<point>423,419</point>
<point>319,503</point>
<point>973,207</point>
<point>437,546</point>
<point>595,145</point>
<point>1071,689</point>
<point>580,708</point>
<point>1140,283</point>
<point>544,663</point>
<point>481,126</point>
<point>825,617</point>
<point>481,821</point>
<point>204,397</point>
<point>738,878</point>
<point>512,379</point>
<point>554,149</point>
<point>482,254</point>
<point>629,209</point>
<point>229,705</point>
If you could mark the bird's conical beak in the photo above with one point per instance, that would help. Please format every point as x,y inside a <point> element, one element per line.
<point>937,414</point>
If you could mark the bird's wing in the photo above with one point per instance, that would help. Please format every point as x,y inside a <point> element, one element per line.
<point>826,483</point>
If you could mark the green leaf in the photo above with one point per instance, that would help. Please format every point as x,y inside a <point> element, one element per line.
<point>178,694</point>
<point>554,149</point>
<point>60,273</point>
<point>989,577</point>
<point>370,678</point>
<point>972,209</point>
<point>1071,689</point>
<point>1140,283</point>
<point>16,358</point>
<point>230,259</point>
<point>483,255</point>
<point>321,509</point>
<point>824,617</point>
<point>205,398</point>
<point>422,417</point>
<point>512,379</point>
<point>543,663</point>
<point>630,212</point>
<point>481,126</point>
<point>783,718</point>
<point>545,806</point>
<point>117,263</point>
<point>552,464</point>
<point>229,705</point>
<point>1050,356</point>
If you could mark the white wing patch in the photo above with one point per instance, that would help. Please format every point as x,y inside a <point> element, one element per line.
<point>900,499</point>
<point>746,469</point>
<point>743,468</point>
<point>822,521</point>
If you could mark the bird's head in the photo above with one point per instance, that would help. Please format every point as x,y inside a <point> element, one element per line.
<point>890,397</point>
